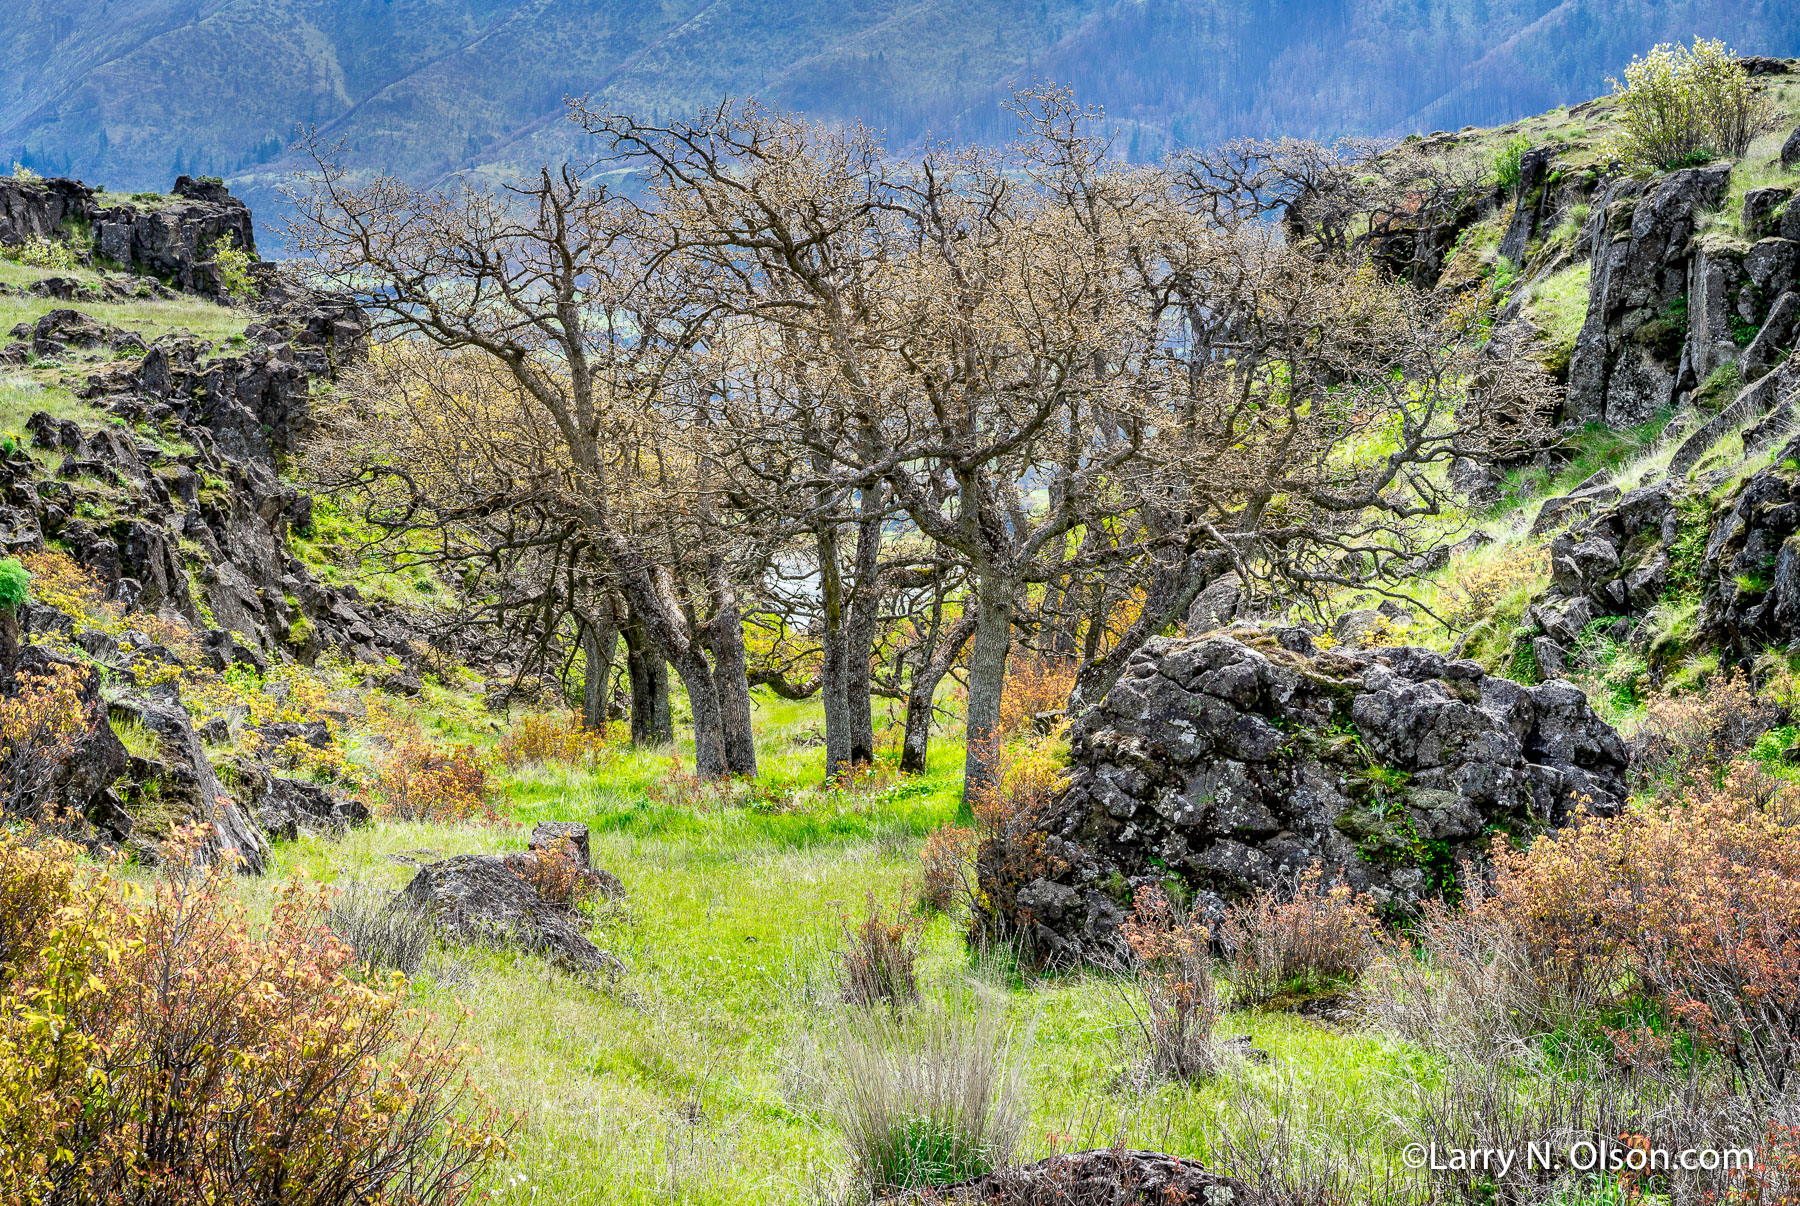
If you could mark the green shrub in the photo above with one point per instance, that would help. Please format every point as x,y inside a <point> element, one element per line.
<point>233,266</point>
<point>48,253</point>
<point>15,583</point>
<point>1680,106</point>
<point>1507,162</point>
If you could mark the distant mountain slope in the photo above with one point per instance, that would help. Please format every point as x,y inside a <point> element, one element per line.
<point>130,91</point>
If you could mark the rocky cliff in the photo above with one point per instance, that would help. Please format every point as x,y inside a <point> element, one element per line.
<point>173,239</point>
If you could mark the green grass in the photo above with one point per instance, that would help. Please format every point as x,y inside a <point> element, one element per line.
<point>1596,448</point>
<point>1557,306</point>
<point>699,1076</point>
<point>21,395</point>
<point>149,318</point>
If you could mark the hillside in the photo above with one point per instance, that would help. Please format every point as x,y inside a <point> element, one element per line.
<point>324,798</point>
<point>133,92</point>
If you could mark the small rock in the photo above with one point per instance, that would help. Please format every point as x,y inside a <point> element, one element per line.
<point>481,899</point>
<point>1100,1177</point>
<point>549,835</point>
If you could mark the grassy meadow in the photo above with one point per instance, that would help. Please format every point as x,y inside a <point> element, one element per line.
<point>704,1073</point>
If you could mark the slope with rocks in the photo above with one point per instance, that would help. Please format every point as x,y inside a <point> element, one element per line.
<point>142,486</point>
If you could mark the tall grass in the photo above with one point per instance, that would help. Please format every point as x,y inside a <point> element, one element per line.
<point>930,1096</point>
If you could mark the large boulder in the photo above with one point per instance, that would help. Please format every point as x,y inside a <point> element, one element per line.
<point>1790,151</point>
<point>490,899</point>
<point>286,808</point>
<point>1230,761</point>
<point>1101,1177</point>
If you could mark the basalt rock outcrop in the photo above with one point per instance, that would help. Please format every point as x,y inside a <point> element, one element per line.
<point>178,786</point>
<point>1612,564</point>
<point>1229,762</point>
<point>1750,576</point>
<point>172,238</point>
<point>1627,364</point>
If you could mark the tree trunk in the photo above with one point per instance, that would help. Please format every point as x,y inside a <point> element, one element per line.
<point>995,600</point>
<point>921,687</point>
<point>599,641</point>
<point>651,720</point>
<point>710,761</point>
<point>832,662</point>
<point>859,629</point>
<point>731,684</point>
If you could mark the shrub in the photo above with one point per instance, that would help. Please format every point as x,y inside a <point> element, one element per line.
<point>48,253</point>
<point>57,581</point>
<point>40,723</point>
<point>168,1052</point>
<point>1686,737</point>
<point>1507,162</point>
<point>1673,924</point>
<point>233,266</point>
<point>930,1096</point>
<point>877,957</point>
<point>555,739</point>
<point>1705,897</point>
<point>558,875</point>
<point>1034,686</point>
<point>1680,105</point>
<point>1300,938</point>
<point>945,864</point>
<point>1172,1000</point>
<point>15,583</point>
<point>1012,847</point>
<point>419,781</point>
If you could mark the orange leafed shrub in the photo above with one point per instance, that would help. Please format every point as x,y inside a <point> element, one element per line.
<point>1013,848</point>
<point>553,739</point>
<point>39,725</point>
<point>1174,974</point>
<point>945,864</point>
<point>1692,901</point>
<point>1476,586</point>
<point>162,1049</point>
<point>1033,686</point>
<point>875,962</point>
<point>419,781</point>
<point>558,877</point>
<point>1303,938</point>
<point>1685,736</point>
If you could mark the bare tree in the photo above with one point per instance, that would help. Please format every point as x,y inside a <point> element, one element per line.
<point>543,377</point>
